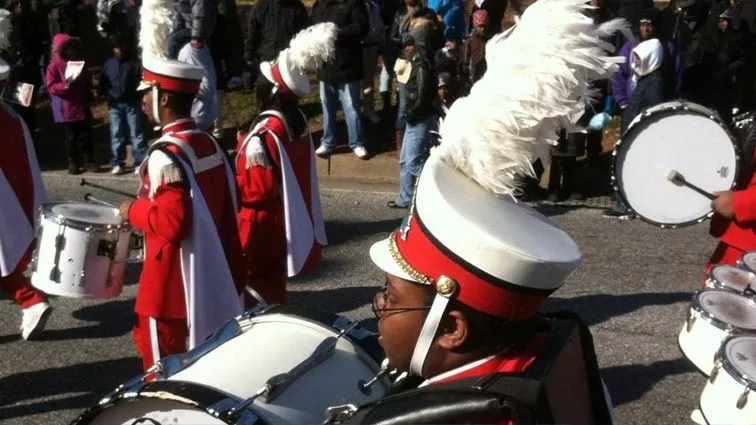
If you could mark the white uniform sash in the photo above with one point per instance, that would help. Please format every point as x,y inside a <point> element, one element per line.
<point>303,227</point>
<point>209,289</point>
<point>16,232</point>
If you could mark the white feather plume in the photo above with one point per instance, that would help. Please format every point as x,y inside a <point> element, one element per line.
<point>5,29</point>
<point>537,82</point>
<point>313,46</point>
<point>156,24</point>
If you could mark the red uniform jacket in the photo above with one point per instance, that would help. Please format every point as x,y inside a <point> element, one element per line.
<point>166,221</point>
<point>261,217</point>
<point>740,232</point>
<point>15,163</point>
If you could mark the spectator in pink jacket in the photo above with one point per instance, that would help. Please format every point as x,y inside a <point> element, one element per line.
<point>70,97</point>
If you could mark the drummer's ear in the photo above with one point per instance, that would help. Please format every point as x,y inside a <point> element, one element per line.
<point>454,331</point>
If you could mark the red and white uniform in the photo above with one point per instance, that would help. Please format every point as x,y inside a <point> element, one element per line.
<point>167,214</point>
<point>739,234</point>
<point>280,219</point>
<point>21,194</point>
<point>507,362</point>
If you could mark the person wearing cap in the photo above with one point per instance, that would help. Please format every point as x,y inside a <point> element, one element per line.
<point>186,207</point>
<point>475,45</point>
<point>421,120</point>
<point>280,221</point>
<point>469,268</point>
<point>21,195</point>
<point>448,92</point>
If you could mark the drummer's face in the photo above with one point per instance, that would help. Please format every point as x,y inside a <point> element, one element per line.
<point>400,329</point>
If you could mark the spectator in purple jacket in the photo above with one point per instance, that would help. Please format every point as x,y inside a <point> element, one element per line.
<point>70,99</point>
<point>648,28</point>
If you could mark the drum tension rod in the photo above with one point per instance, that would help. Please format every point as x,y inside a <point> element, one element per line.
<point>276,385</point>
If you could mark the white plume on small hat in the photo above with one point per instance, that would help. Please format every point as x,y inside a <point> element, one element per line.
<point>537,82</point>
<point>313,46</point>
<point>156,25</point>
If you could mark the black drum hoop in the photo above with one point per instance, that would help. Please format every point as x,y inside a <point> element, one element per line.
<point>198,396</point>
<point>661,110</point>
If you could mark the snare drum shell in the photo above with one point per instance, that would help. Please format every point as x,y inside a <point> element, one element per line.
<point>701,344</point>
<point>719,399</point>
<point>82,272</point>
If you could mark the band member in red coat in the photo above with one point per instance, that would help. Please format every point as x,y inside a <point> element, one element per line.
<point>280,222</point>
<point>469,269</point>
<point>186,208</point>
<point>21,194</point>
<point>735,220</point>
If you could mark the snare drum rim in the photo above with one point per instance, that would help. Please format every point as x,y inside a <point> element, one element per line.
<point>47,214</point>
<point>717,323</point>
<point>741,263</point>
<point>730,368</point>
<point>714,283</point>
<point>665,108</point>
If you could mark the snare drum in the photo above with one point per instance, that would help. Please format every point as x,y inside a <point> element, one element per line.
<point>680,136</point>
<point>729,396</point>
<point>81,250</point>
<point>206,384</point>
<point>732,279</point>
<point>714,315</point>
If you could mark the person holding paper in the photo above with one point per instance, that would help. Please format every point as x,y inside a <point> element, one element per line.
<point>70,87</point>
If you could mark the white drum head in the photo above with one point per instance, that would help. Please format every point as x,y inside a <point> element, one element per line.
<point>668,137</point>
<point>749,260</point>
<point>741,353</point>
<point>86,213</point>
<point>734,278</point>
<point>729,307</point>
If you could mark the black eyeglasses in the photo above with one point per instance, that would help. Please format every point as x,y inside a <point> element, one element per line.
<point>378,312</point>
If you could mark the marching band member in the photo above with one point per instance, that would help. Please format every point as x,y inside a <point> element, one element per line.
<point>734,223</point>
<point>21,194</point>
<point>469,269</point>
<point>186,209</point>
<point>280,221</point>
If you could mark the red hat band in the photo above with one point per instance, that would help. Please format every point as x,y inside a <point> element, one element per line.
<point>165,82</point>
<point>417,251</point>
<point>282,87</point>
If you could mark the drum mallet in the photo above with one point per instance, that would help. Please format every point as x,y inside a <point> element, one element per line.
<point>679,180</point>
<point>88,197</point>
<point>106,189</point>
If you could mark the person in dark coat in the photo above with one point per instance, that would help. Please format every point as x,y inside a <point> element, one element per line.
<point>648,79</point>
<point>341,79</point>
<point>270,27</point>
<point>27,47</point>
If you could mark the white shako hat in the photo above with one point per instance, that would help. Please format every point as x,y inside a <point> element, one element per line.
<point>307,51</point>
<point>465,234</point>
<point>160,72</point>
<point>5,30</point>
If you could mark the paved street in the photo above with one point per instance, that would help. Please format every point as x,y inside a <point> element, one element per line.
<point>633,290</point>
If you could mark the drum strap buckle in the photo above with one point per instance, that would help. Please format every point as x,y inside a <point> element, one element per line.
<point>338,414</point>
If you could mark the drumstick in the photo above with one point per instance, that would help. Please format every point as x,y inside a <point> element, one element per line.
<point>88,197</point>
<point>679,180</point>
<point>84,182</point>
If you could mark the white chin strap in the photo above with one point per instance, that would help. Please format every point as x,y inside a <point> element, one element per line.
<point>445,288</point>
<point>155,101</point>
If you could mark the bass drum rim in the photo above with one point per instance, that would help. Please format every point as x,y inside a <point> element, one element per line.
<point>205,399</point>
<point>663,109</point>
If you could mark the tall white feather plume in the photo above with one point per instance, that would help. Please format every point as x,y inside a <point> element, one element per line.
<point>5,29</point>
<point>156,24</point>
<point>537,82</point>
<point>312,46</point>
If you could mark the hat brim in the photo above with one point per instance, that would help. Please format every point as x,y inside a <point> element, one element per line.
<point>266,68</point>
<point>381,256</point>
<point>143,85</point>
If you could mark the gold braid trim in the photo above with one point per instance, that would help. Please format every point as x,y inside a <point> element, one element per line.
<point>404,265</point>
